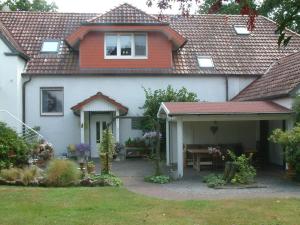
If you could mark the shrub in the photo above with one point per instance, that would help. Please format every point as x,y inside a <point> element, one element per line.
<point>290,141</point>
<point>245,173</point>
<point>214,180</point>
<point>26,175</point>
<point>106,151</point>
<point>62,173</point>
<point>161,179</point>
<point>107,180</point>
<point>13,149</point>
<point>11,174</point>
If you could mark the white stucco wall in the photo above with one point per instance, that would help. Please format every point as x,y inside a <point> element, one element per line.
<point>286,102</point>
<point>11,68</point>
<point>63,130</point>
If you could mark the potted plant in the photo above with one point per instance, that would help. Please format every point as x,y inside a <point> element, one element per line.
<point>71,151</point>
<point>82,151</point>
<point>90,167</point>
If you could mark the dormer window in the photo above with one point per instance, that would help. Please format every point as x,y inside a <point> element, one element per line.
<point>125,46</point>
<point>205,62</point>
<point>241,29</point>
<point>51,46</point>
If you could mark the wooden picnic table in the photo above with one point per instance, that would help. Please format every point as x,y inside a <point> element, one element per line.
<point>197,154</point>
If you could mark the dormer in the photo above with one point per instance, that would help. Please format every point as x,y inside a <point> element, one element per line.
<point>125,37</point>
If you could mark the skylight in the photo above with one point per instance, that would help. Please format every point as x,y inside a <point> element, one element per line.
<point>50,46</point>
<point>241,29</point>
<point>205,62</point>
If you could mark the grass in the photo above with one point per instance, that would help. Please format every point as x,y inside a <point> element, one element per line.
<point>114,206</point>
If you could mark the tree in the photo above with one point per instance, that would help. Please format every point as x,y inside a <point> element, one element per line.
<point>29,5</point>
<point>286,13</point>
<point>151,107</point>
<point>231,8</point>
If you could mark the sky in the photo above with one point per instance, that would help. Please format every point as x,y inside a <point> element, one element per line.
<point>101,6</point>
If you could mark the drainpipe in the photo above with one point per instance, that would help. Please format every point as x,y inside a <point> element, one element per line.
<point>227,86</point>
<point>24,99</point>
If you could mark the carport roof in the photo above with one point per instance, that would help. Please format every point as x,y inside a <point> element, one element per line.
<point>222,108</point>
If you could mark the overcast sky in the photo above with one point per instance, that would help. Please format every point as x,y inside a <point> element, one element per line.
<point>101,6</point>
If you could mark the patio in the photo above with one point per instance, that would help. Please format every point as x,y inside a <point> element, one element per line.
<point>132,172</point>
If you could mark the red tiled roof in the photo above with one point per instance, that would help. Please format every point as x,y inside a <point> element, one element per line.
<point>282,78</point>
<point>125,14</point>
<point>220,108</point>
<point>101,96</point>
<point>211,35</point>
<point>13,44</point>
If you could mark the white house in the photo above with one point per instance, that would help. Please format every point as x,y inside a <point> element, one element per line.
<point>84,71</point>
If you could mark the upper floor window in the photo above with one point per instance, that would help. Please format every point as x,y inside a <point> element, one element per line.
<point>52,101</point>
<point>241,29</point>
<point>50,46</point>
<point>125,46</point>
<point>205,62</point>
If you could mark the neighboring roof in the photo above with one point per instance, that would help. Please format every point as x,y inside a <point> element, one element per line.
<point>11,42</point>
<point>281,80</point>
<point>125,14</point>
<point>221,108</point>
<point>100,96</point>
<point>209,35</point>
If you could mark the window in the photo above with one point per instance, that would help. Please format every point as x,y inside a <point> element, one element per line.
<point>125,46</point>
<point>241,29</point>
<point>136,123</point>
<point>52,101</point>
<point>50,46</point>
<point>205,62</point>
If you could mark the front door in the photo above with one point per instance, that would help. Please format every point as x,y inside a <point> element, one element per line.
<point>99,123</point>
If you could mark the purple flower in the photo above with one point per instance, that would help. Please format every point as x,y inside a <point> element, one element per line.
<point>83,149</point>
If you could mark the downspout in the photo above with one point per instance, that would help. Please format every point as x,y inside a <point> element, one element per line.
<point>24,99</point>
<point>227,86</point>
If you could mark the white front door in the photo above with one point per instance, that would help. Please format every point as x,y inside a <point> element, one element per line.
<point>99,123</point>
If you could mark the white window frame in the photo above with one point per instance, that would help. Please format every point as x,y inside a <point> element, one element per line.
<point>54,51</point>
<point>41,101</point>
<point>119,56</point>
<point>247,32</point>
<point>205,57</point>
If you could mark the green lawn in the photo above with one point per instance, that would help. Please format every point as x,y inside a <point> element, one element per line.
<point>63,206</point>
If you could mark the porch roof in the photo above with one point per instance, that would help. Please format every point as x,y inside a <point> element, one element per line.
<point>123,109</point>
<point>221,108</point>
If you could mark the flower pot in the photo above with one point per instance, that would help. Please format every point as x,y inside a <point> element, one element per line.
<point>291,172</point>
<point>91,169</point>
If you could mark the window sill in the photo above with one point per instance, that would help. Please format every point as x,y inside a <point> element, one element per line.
<point>125,57</point>
<point>52,114</point>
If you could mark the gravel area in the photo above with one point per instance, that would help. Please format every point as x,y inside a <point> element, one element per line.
<point>272,184</point>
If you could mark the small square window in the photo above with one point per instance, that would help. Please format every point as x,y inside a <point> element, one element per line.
<point>205,62</point>
<point>52,100</point>
<point>50,46</point>
<point>241,29</point>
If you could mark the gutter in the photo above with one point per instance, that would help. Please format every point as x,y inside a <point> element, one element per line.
<point>24,99</point>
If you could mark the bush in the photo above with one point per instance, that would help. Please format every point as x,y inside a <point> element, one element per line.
<point>62,173</point>
<point>245,173</point>
<point>290,141</point>
<point>25,176</point>
<point>107,180</point>
<point>13,149</point>
<point>214,180</point>
<point>106,151</point>
<point>161,179</point>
